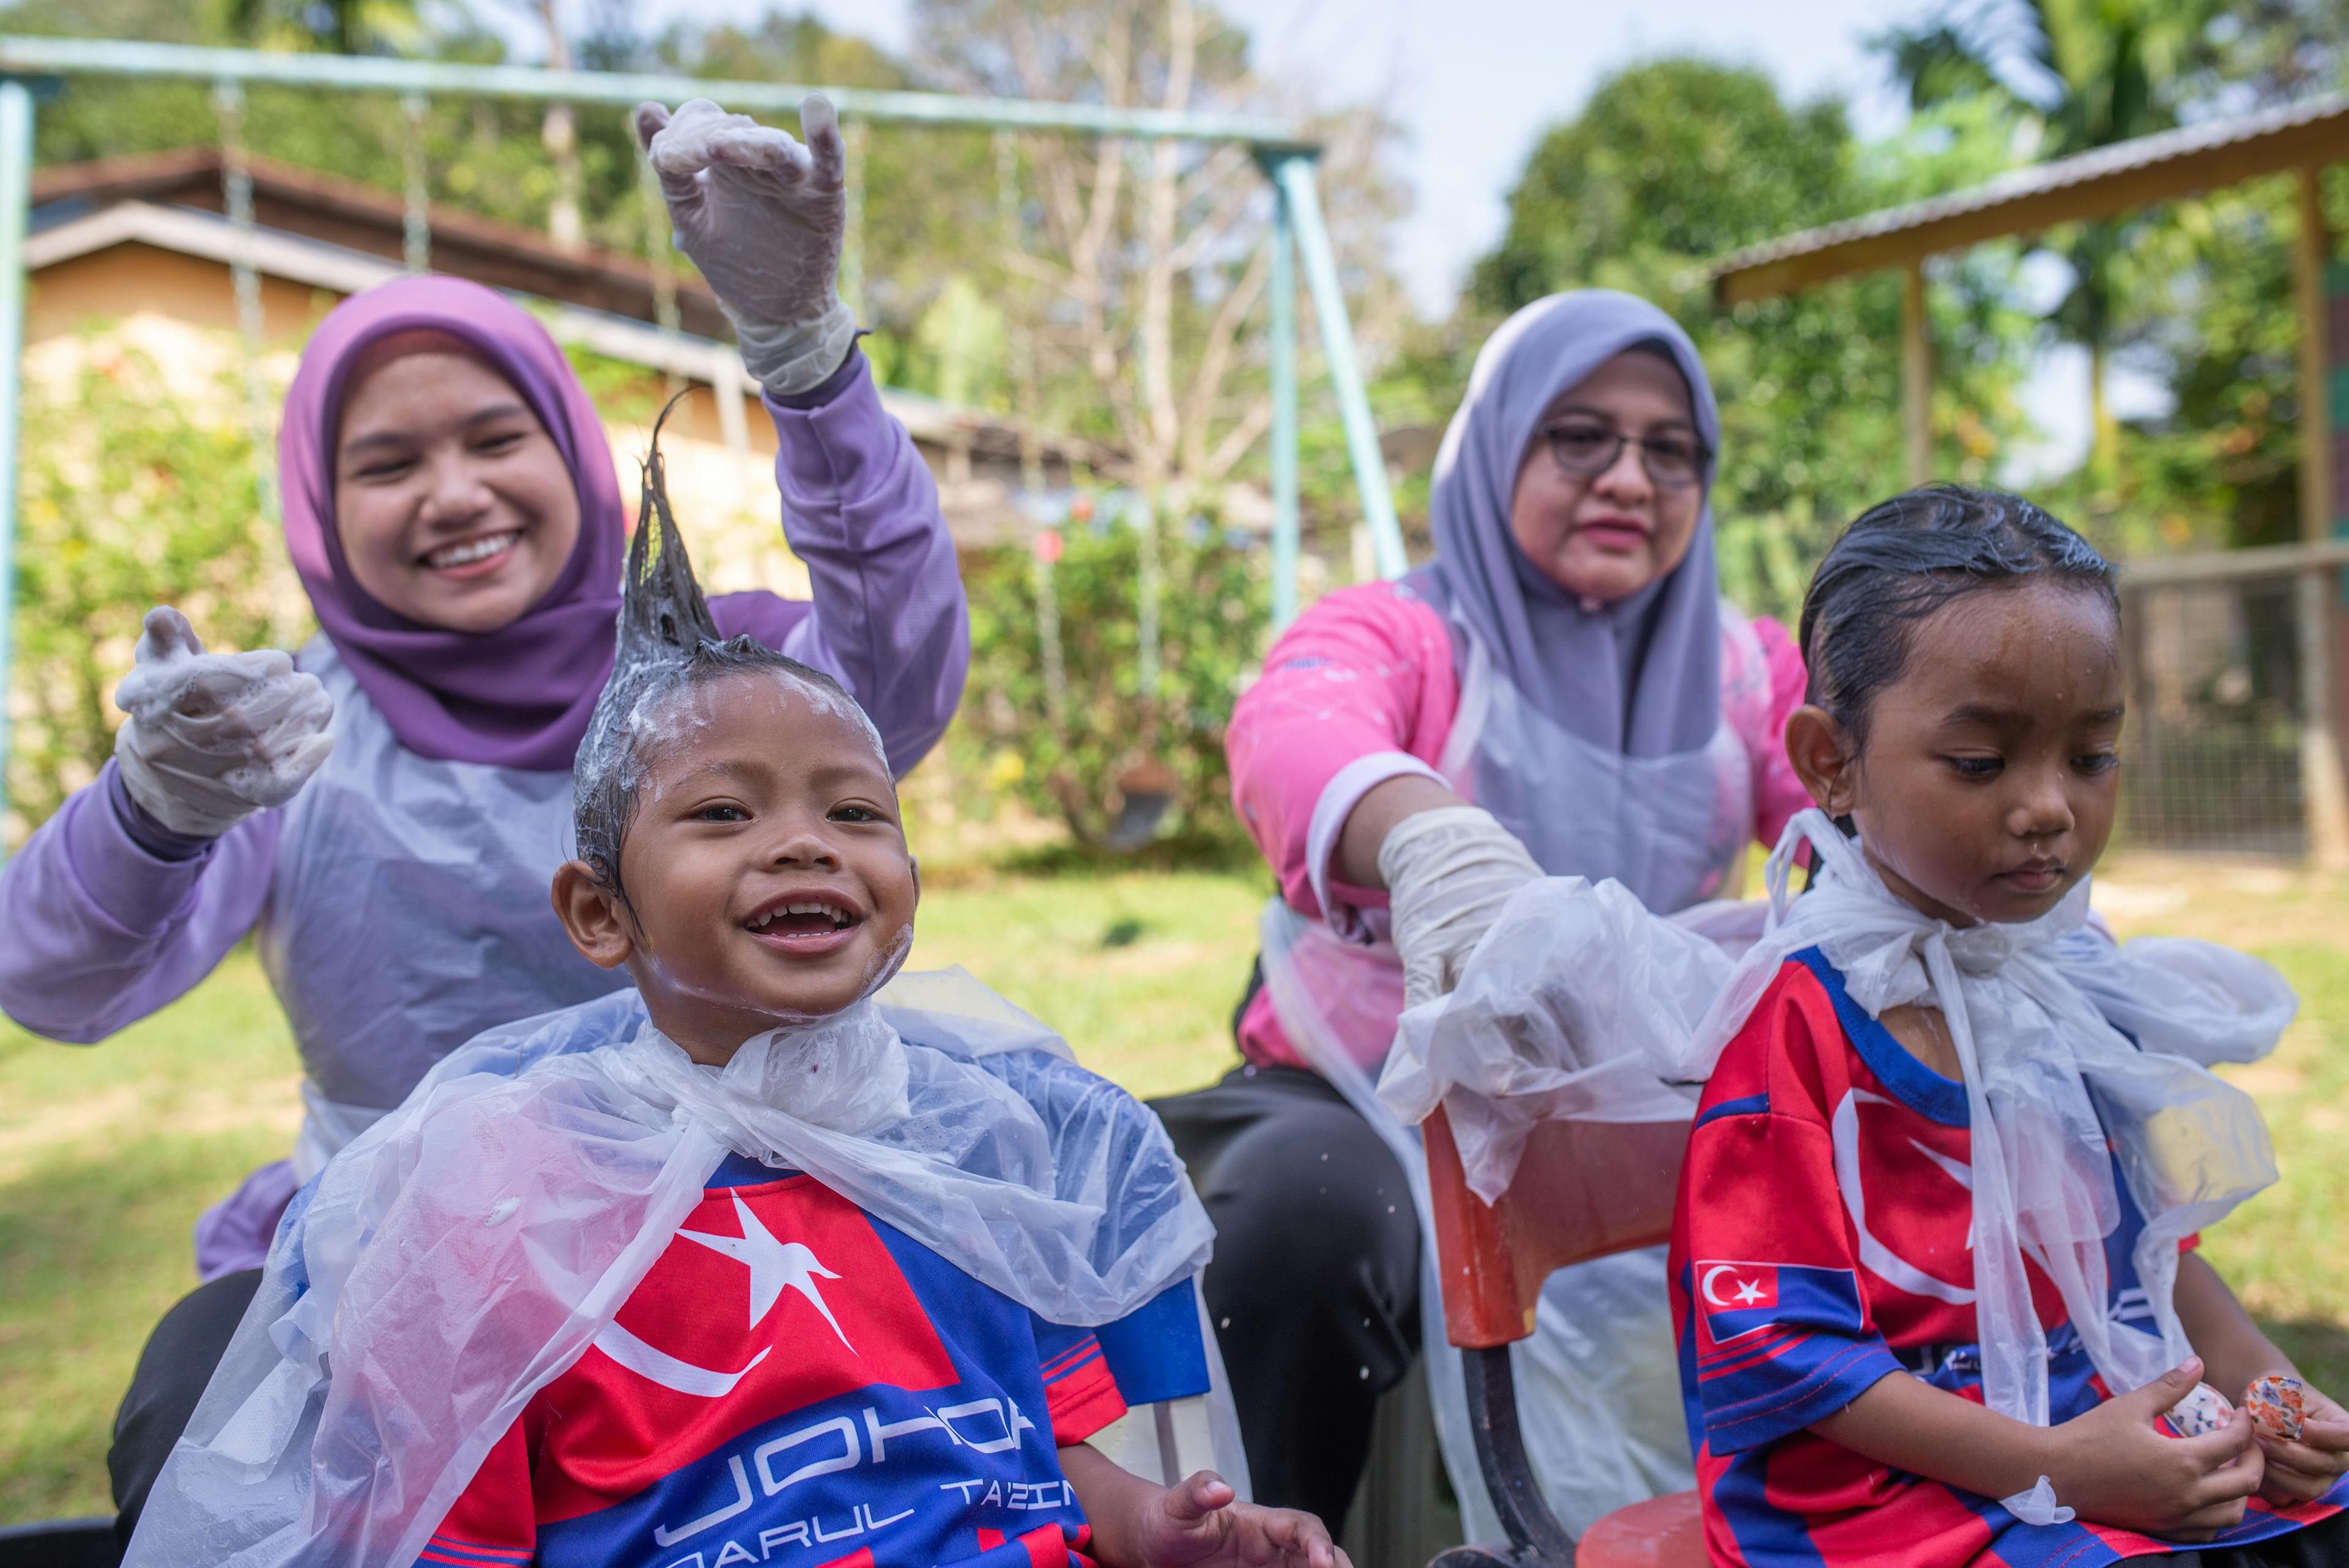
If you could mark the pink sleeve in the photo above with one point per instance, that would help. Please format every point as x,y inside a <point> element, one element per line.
<point>1366,672</point>
<point>1778,794</point>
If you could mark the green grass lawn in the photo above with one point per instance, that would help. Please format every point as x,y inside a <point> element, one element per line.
<point>107,1154</point>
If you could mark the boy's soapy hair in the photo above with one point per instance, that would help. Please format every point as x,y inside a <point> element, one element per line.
<point>668,646</point>
<point>1906,557</point>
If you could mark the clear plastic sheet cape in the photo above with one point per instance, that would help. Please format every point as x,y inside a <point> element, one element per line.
<point>2077,1054</point>
<point>467,1249</point>
<point>462,1251</point>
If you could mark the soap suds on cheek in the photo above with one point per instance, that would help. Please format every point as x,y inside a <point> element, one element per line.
<point>886,965</point>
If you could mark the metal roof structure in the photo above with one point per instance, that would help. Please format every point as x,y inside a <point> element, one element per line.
<point>2299,139</point>
<point>2099,183</point>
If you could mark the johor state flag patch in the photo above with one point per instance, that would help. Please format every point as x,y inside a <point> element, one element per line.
<point>1735,1298</point>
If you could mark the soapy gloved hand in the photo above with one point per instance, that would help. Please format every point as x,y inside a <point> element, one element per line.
<point>1448,871</point>
<point>761,216</point>
<point>214,737</point>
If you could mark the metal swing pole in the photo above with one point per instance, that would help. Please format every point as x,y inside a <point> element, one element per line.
<point>1292,172</point>
<point>1282,328</point>
<point>16,201</point>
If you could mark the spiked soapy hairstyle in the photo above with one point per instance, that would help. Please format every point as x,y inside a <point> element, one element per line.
<point>668,646</point>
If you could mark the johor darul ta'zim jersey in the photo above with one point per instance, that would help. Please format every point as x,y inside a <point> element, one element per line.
<point>1821,1243</point>
<point>796,1383</point>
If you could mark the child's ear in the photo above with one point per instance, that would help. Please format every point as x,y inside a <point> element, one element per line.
<point>592,918</point>
<point>1824,759</point>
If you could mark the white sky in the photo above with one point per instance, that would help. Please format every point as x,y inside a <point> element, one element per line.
<point>1475,82</point>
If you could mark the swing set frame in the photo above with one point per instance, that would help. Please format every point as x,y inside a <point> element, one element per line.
<point>34,67</point>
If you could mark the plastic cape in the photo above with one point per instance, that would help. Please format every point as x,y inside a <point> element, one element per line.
<point>463,1252</point>
<point>1565,1011</point>
<point>2077,1054</point>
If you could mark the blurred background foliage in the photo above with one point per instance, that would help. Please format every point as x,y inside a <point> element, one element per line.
<point>128,499</point>
<point>983,288</point>
<point>1078,753</point>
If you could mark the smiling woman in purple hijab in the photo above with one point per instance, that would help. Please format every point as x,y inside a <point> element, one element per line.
<point>451,506</point>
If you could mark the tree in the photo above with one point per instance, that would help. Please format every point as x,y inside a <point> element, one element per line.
<point>559,134</point>
<point>1139,269</point>
<point>2078,75</point>
<point>2211,309</point>
<point>1060,735</point>
<point>1132,277</point>
<point>344,26</point>
<point>132,493</point>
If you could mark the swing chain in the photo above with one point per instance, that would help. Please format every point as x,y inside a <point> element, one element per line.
<point>415,219</point>
<point>856,143</point>
<point>659,256</point>
<point>244,273</point>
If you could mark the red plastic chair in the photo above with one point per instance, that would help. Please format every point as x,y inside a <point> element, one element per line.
<point>1582,1190</point>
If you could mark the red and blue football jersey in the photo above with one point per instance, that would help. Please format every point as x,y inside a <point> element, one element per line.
<point>1822,1242</point>
<point>795,1382</point>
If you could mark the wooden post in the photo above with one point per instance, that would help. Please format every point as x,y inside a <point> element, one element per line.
<point>1916,375</point>
<point>2323,791</point>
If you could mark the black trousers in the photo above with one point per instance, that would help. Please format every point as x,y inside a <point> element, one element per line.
<point>1314,1289</point>
<point>178,1360</point>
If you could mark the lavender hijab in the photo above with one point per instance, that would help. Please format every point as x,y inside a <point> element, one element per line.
<point>1642,676</point>
<point>519,697</point>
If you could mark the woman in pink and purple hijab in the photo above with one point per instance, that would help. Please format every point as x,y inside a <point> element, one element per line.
<point>383,811</point>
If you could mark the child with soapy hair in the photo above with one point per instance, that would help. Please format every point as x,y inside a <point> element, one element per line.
<point>1933,1263</point>
<point>759,1263</point>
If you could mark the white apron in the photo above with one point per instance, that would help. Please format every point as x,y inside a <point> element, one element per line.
<point>408,913</point>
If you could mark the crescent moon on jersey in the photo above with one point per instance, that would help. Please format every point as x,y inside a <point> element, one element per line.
<point>657,1365</point>
<point>1704,1285</point>
<point>1881,1260</point>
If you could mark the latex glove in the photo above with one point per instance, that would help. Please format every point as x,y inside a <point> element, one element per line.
<point>763,216</point>
<point>214,737</point>
<point>1448,872</point>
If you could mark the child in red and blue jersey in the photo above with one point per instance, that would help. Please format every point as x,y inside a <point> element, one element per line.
<point>542,1314</point>
<point>796,1381</point>
<point>1966,699</point>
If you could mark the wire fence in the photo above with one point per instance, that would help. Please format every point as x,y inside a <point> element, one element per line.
<point>2212,750</point>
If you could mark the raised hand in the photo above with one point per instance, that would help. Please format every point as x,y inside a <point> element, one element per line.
<point>1201,1524</point>
<point>213,737</point>
<point>762,215</point>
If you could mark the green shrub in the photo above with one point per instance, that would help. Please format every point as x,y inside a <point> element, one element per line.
<point>129,497</point>
<point>1108,736</point>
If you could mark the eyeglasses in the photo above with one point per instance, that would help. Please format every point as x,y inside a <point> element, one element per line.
<point>1587,451</point>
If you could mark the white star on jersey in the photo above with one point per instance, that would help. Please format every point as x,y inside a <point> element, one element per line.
<point>773,1266</point>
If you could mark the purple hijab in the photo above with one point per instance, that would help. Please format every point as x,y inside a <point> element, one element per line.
<point>1642,676</point>
<point>518,697</point>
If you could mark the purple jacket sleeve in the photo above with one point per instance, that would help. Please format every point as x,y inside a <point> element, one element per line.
<point>862,513</point>
<point>97,930</point>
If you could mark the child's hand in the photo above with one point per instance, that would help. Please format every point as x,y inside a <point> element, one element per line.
<point>2303,1472</point>
<point>1200,1524</point>
<point>2112,1467</point>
